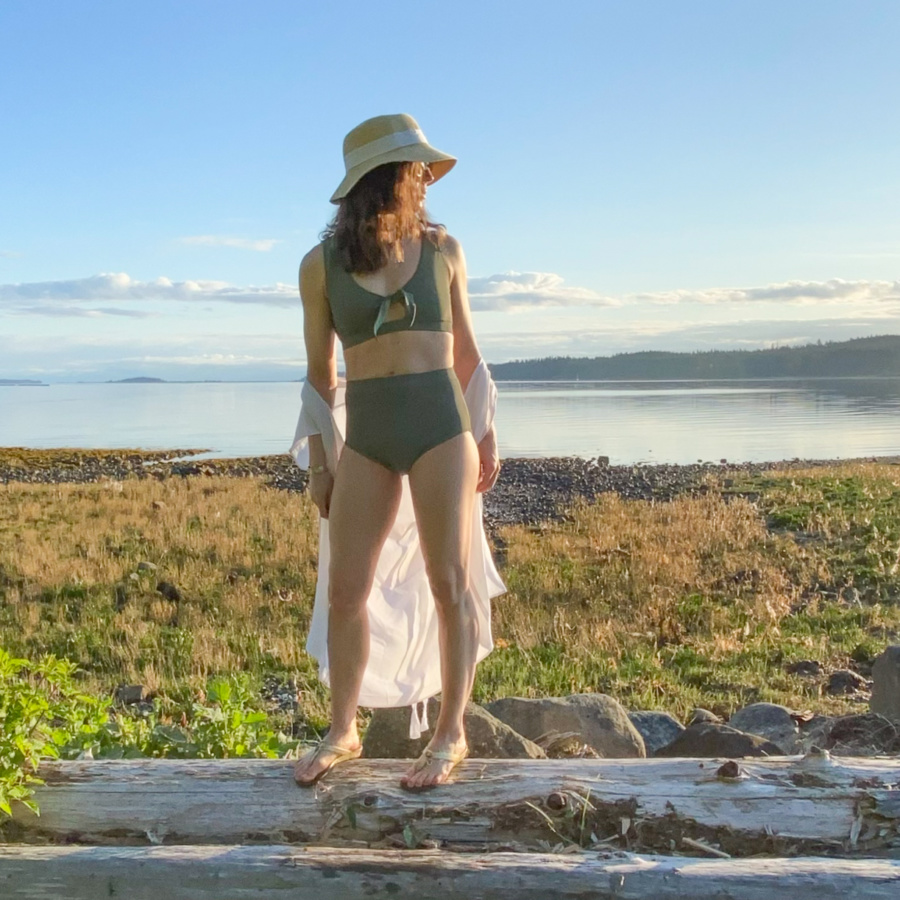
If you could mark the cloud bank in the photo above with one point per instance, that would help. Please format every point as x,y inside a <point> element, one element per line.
<point>527,290</point>
<point>62,297</point>
<point>511,291</point>
<point>834,290</point>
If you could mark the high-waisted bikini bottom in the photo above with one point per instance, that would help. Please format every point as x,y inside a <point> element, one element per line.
<point>395,419</point>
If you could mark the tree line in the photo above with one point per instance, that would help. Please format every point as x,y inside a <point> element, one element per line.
<point>861,357</point>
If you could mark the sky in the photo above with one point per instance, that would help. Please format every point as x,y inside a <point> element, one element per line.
<point>645,175</point>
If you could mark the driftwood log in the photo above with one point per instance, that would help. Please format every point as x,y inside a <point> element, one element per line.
<point>782,806</point>
<point>277,873</point>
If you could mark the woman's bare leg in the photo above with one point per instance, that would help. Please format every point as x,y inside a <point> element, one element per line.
<point>442,482</point>
<point>363,507</point>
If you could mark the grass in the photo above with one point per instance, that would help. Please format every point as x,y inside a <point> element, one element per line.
<point>700,601</point>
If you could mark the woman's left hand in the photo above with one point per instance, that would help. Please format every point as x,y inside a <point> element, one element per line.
<point>489,461</point>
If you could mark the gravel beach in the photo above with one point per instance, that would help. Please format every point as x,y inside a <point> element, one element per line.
<point>529,490</point>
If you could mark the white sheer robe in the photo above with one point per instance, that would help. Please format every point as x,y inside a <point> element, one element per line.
<point>404,661</point>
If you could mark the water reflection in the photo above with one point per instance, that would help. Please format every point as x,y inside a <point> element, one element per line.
<point>675,421</point>
<point>684,421</point>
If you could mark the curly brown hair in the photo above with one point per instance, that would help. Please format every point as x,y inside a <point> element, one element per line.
<point>384,207</point>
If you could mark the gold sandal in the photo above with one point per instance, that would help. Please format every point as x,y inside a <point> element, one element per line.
<point>341,754</point>
<point>427,756</point>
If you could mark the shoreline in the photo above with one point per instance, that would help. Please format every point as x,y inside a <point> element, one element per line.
<point>529,489</point>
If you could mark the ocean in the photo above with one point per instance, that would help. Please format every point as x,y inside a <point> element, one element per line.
<point>628,422</point>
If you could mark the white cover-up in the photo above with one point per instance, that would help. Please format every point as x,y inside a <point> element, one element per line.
<point>404,660</point>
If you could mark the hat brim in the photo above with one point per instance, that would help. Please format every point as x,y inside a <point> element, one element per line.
<point>439,164</point>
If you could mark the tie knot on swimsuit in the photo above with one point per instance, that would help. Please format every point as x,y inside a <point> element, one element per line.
<point>360,315</point>
<point>409,309</point>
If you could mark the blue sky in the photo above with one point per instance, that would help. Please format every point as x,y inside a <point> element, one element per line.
<point>640,175</point>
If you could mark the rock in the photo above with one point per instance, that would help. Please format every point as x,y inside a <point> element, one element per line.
<point>121,593</point>
<point>846,682</point>
<point>863,735</point>
<point>279,693</point>
<point>387,736</point>
<point>169,591</point>
<point>658,729</point>
<point>770,721</point>
<point>814,732</point>
<point>600,721</point>
<point>703,715</point>
<point>886,684</point>
<point>808,668</point>
<point>146,566</point>
<point>130,693</point>
<point>708,739</point>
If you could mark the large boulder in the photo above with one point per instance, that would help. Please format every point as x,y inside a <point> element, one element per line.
<point>886,688</point>
<point>710,739</point>
<point>600,721</point>
<point>387,736</point>
<point>658,729</point>
<point>770,721</point>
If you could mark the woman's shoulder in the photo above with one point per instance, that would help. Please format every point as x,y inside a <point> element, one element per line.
<point>451,251</point>
<point>314,259</point>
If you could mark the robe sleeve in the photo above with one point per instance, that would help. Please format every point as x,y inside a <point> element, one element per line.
<point>317,417</point>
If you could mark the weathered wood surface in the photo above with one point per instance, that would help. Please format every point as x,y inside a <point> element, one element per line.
<point>784,805</point>
<point>278,872</point>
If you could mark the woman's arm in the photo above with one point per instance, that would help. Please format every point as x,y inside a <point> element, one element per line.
<point>321,365</point>
<point>466,355</point>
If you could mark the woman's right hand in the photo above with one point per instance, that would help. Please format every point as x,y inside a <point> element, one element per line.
<point>320,487</point>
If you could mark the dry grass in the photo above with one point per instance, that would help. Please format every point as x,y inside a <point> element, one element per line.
<point>705,600</point>
<point>701,601</point>
<point>242,556</point>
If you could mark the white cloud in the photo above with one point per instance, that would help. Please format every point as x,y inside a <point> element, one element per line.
<point>217,240</point>
<point>523,290</point>
<point>117,294</point>
<point>835,290</point>
<point>43,297</point>
<point>10,254</point>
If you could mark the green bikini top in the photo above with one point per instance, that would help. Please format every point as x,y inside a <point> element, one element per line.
<point>359,315</point>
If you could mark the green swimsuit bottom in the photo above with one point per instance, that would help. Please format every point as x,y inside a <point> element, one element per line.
<point>395,419</point>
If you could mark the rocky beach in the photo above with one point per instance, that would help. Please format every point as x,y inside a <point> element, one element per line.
<point>529,489</point>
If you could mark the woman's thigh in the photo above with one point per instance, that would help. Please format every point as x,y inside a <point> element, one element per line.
<point>364,504</point>
<point>442,482</point>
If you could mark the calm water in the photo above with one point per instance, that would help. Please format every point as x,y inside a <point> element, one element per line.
<point>629,422</point>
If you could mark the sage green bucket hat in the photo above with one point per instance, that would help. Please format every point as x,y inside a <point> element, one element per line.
<point>386,139</point>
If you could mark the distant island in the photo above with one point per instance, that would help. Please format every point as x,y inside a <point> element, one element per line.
<point>858,358</point>
<point>21,382</point>
<point>140,379</point>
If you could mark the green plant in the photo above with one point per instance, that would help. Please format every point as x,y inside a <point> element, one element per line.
<point>44,715</point>
<point>41,710</point>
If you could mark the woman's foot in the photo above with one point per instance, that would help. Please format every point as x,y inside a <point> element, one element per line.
<point>434,766</point>
<point>329,752</point>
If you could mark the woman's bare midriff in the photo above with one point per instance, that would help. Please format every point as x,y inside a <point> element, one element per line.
<point>399,353</point>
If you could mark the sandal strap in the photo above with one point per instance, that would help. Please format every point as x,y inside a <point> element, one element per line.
<point>334,748</point>
<point>445,755</point>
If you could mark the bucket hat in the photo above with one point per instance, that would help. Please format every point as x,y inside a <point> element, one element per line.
<point>386,139</point>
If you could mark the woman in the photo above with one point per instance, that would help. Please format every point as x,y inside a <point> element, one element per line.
<point>392,287</point>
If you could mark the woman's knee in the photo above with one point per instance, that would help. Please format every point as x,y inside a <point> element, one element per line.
<point>450,585</point>
<point>346,595</point>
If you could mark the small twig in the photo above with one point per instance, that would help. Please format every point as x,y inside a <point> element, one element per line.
<point>547,818</point>
<point>701,845</point>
